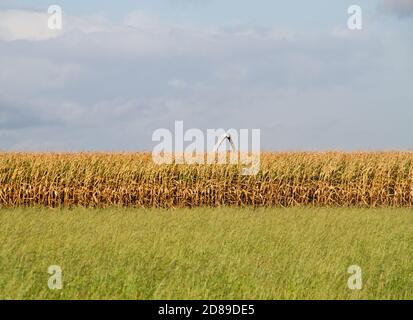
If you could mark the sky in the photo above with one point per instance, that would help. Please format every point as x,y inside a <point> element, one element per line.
<point>119,70</point>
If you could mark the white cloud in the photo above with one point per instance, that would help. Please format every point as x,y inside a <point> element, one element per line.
<point>33,25</point>
<point>25,25</point>
<point>140,20</point>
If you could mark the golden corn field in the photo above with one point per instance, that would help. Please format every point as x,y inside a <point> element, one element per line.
<point>132,179</point>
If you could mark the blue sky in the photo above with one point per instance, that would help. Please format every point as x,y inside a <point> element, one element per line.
<point>117,71</point>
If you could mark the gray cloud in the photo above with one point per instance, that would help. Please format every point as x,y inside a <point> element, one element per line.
<point>110,88</point>
<point>401,8</point>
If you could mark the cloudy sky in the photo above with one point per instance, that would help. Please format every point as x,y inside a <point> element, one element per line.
<point>118,70</point>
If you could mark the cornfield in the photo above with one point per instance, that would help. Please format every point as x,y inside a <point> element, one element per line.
<point>284,179</point>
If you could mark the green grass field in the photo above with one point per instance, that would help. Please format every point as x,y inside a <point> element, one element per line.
<point>206,253</point>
